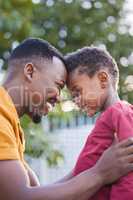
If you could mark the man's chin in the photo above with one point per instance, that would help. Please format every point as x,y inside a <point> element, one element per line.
<point>36,119</point>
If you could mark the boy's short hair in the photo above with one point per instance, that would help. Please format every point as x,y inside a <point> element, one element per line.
<point>90,60</point>
<point>33,47</point>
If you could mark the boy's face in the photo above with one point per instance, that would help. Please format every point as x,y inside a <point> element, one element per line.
<point>88,93</point>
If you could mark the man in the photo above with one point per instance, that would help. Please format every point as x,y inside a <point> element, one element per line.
<point>35,75</point>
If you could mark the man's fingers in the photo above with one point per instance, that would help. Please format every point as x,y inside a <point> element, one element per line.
<point>130,167</point>
<point>126,143</point>
<point>129,159</point>
<point>127,150</point>
<point>115,141</point>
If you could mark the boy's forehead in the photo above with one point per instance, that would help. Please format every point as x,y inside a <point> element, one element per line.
<point>73,77</point>
<point>74,74</point>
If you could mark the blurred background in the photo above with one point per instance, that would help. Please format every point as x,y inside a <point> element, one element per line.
<point>53,146</point>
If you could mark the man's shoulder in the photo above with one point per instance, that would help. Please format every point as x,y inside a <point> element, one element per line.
<point>7,108</point>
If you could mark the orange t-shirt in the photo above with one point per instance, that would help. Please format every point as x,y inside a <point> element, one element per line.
<point>12,143</point>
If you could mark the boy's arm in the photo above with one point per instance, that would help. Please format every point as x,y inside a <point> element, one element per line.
<point>123,124</point>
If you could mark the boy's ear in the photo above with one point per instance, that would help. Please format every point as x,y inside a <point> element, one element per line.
<point>29,70</point>
<point>103,78</point>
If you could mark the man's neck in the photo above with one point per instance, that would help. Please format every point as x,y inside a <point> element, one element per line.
<point>112,99</point>
<point>15,91</point>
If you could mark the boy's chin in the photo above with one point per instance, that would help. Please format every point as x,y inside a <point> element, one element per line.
<point>91,113</point>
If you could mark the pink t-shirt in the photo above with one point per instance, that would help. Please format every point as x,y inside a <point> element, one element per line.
<point>117,119</point>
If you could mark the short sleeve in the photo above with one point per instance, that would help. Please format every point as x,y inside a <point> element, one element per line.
<point>8,144</point>
<point>122,116</point>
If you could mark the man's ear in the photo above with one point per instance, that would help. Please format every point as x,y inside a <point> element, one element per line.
<point>103,78</point>
<point>29,70</point>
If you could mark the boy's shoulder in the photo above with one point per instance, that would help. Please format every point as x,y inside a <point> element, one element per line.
<point>120,107</point>
<point>113,113</point>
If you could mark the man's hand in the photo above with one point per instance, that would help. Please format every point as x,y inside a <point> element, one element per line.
<point>116,161</point>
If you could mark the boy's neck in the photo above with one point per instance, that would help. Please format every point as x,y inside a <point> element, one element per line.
<point>111,99</point>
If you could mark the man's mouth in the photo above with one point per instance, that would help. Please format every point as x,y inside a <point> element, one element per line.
<point>37,112</point>
<point>49,107</point>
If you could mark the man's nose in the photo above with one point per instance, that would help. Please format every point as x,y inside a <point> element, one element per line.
<point>58,98</point>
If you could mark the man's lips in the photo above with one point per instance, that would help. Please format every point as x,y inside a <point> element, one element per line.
<point>48,108</point>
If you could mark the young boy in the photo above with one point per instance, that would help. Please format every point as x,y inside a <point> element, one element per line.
<point>93,80</point>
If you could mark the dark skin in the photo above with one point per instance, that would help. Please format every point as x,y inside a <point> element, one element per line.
<point>44,86</point>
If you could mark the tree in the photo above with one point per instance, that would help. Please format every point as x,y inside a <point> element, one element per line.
<point>69,24</point>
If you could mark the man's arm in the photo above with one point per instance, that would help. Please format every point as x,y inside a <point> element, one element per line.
<point>69,176</point>
<point>14,182</point>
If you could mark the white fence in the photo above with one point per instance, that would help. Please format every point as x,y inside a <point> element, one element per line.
<point>70,142</point>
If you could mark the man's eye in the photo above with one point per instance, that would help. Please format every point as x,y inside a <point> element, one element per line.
<point>52,100</point>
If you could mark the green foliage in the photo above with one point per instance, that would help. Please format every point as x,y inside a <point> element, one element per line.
<point>38,143</point>
<point>68,24</point>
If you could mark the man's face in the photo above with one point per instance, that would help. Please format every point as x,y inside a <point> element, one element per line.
<point>44,88</point>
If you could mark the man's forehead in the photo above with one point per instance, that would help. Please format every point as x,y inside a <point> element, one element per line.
<point>54,69</point>
<point>59,69</point>
<point>57,61</point>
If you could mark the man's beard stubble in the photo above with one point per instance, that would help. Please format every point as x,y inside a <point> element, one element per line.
<point>36,118</point>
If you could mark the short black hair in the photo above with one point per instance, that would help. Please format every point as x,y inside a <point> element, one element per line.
<point>90,60</point>
<point>35,47</point>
